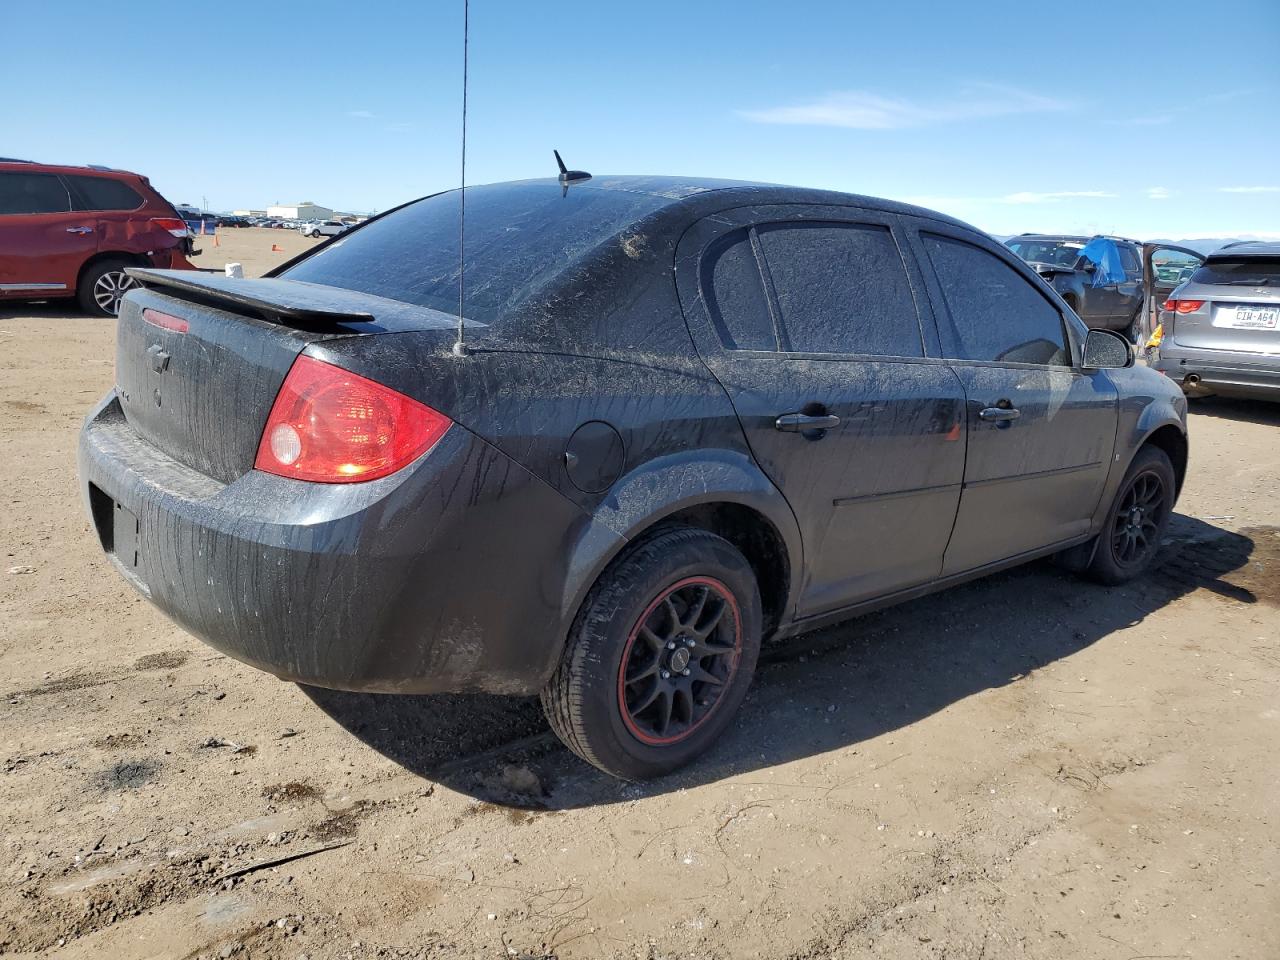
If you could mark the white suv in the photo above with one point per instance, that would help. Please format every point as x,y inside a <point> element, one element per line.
<point>324,228</point>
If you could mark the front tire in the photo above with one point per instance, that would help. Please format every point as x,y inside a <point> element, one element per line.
<point>660,656</point>
<point>1137,520</point>
<point>102,286</point>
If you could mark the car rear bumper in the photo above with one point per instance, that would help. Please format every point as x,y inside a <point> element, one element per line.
<point>449,575</point>
<point>1227,373</point>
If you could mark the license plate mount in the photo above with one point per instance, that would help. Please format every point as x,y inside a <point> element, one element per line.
<point>125,536</point>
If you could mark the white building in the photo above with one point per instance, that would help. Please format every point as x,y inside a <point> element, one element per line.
<point>306,210</point>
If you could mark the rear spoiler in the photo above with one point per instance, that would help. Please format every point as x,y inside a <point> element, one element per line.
<point>293,303</point>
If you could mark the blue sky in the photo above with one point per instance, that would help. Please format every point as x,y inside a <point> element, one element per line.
<point>1149,119</point>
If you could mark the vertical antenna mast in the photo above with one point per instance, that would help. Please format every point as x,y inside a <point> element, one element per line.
<point>460,347</point>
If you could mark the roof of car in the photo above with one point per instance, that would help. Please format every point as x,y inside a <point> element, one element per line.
<point>704,194</point>
<point>79,169</point>
<point>1074,239</point>
<point>1247,248</point>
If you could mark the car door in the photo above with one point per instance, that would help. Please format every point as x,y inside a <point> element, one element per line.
<point>1040,429</point>
<point>108,206</point>
<point>1164,269</point>
<point>807,316</point>
<point>41,247</point>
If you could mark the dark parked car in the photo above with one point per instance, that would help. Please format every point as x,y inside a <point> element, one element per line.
<point>1220,330</point>
<point>72,231</point>
<point>687,416</point>
<point>1103,301</point>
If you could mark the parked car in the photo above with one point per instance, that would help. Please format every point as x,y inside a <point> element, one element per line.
<point>1220,329</point>
<point>622,478</point>
<point>325,228</point>
<point>1107,301</point>
<point>70,231</point>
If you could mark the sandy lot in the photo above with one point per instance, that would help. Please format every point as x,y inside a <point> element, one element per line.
<point>1028,766</point>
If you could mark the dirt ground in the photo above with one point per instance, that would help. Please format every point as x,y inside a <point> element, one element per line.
<point>1027,766</point>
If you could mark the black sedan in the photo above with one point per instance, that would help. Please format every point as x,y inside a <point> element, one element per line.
<point>682,417</point>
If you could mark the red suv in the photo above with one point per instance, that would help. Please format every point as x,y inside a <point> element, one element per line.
<point>72,231</point>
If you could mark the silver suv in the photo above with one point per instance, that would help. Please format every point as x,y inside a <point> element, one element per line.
<point>1221,328</point>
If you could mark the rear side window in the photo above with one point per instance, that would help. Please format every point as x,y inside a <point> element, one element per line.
<point>731,283</point>
<point>1129,260</point>
<point>102,193</point>
<point>841,288</point>
<point>995,313</point>
<point>1243,271</point>
<point>32,193</point>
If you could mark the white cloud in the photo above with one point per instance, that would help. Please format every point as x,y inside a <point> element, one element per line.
<point>361,114</point>
<point>1249,189</point>
<point>863,110</point>
<point>1158,193</point>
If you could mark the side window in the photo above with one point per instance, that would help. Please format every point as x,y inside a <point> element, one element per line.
<point>842,288</point>
<point>735,295</point>
<point>1130,261</point>
<point>995,313</point>
<point>32,193</point>
<point>102,193</point>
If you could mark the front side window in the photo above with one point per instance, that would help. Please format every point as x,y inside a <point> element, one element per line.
<point>103,193</point>
<point>26,193</point>
<point>841,288</point>
<point>994,312</point>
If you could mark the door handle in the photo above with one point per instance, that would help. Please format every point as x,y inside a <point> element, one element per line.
<point>80,230</point>
<point>999,414</point>
<point>806,423</point>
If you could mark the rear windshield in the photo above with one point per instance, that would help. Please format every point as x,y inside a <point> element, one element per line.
<point>519,236</point>
<point>1244,271</point>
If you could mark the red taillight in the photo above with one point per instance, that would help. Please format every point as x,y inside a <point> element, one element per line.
<point>1183,306</point>
<point>177,227</point>
<point>165,321</point>
<point>329,425</point>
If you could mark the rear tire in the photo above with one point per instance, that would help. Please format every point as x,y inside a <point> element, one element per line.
<point>660,655</point>
<point>1137,520</point>
<point>101,287</point>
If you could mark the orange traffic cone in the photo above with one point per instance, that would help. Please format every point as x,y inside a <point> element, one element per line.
<point>276,248</point>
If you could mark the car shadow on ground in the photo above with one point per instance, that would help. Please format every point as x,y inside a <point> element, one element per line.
<point>44,310</point>
<point>1266,413</point>
<point>822,691</point>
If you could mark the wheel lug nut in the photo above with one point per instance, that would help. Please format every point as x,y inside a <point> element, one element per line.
<point>685,673</point>
<point>666,675</point>
<point>688,641</point>
<point>671,644</point>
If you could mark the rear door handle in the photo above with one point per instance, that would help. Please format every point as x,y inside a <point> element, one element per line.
<point>80,230</point>
<point>999,414</point>
<point>804,422</point>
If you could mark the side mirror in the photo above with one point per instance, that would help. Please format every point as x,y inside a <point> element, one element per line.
<point>1105,349</point>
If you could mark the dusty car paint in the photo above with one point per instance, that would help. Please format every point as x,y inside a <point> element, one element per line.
<point>465,570</point>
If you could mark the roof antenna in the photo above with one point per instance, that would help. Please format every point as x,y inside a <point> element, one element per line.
<point>569,177</point>
<point>460,346</point>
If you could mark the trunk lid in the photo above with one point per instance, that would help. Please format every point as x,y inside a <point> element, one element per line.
<point>1243,319</point>
<point>200,358</point>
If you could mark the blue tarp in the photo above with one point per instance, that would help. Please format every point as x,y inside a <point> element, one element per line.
<point>1106,257</point>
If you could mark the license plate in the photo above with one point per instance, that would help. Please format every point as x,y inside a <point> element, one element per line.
<point>1251,318</point>
<point>124,536</point>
